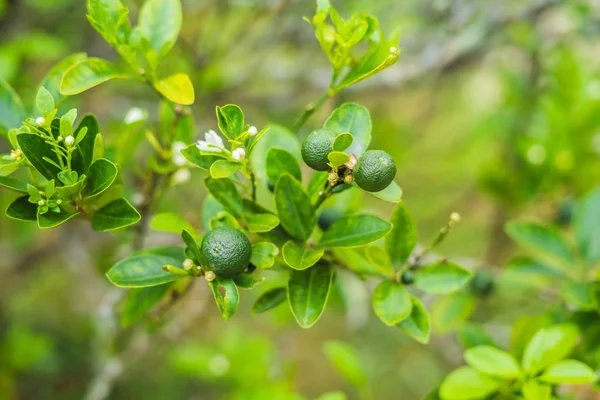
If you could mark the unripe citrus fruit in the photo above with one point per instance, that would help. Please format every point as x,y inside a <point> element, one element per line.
<point>227,251</point>
<point>374,170</point>
<point>316,147</point>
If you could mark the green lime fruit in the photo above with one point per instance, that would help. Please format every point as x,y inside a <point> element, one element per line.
<point>374,171</point>
<point>408,277</point>
<point>227,251</point>
<point>316,147</point>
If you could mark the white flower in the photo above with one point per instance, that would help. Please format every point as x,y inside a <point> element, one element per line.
<point>69,140</point>
<point>182,175</point>
<point>393,50</point>
<point>40,121</point>
<point>137,199</point>
<point>178,158</point>
<point>134,114</point>
<point>252,131</point>
<point>455,217</point>
<point>238,154</point>
<point>212,143</point>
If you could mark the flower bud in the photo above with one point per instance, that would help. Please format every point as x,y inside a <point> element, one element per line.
<point>59,139</point>
<point>210,276</point>
<point>455,217</point>
<point>69,141</point>
<point>238,154</point>
<point>42,202</point>
<point>40,121</point>
<point>252,131</point>
<point>188,264</point>
<point>348,179</point>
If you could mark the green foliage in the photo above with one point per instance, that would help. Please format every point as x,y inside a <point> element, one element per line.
<point>308,292</point>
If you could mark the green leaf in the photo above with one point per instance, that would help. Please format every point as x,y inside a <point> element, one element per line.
<point>337,158</point>
<point>296,214</point>
<point>223,218</point>
<point>227,302</point>
<point>262,222</point>
<point>101,175</point>
<point>379,258</point>
<point>178,88</point>
<point>52,219</point>
<point>89,73</point>
<point>276,136</point>
<point>247,281</point>
<point>21,209</point>
<point>587,226</point>
<point>87,146</point>
<point>418,324</point>
<point>581,295</point>
<point>472,335</point>
<point>443,277</point>
<point>280,161</point>
<point>44,101</point>
<point>225,192</point>
<point>203,161</point>
<point>316,184</point>
<point>548,346</point>
<point>392,193</point>
<point>139,301</point>
<point>343,141</point>
<point>547,241</point>
<point>346,362</point>
<point>109,18</point>
<point>192,245</point>
<point>533,390</point>
<point>224,169</point>
<point>451,311</point>
<point>35,148</point>
<point>231,121</point>
<point>300,256</point>
<point>308,291</point>
<point>269,299</point>
<point>54,77</point>
<point>465,383</point>
<point>210,209</point>
<point>569,371</point>
<point>402,239</point>
<point>391,302</point>
<point>12,111</point>
<point>115,215</point>
<point>263,254</point>
<point>145,268</point>
<point>170,222</point>
<point>355,230</point>
<point>13,184</point>
<point>159,22</point>
<point>354,119</point>
<point>492,361</point>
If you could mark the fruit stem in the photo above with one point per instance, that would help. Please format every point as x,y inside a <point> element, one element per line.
<point>310,109</point>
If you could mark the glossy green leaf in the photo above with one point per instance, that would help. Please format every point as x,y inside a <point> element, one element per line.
<point>534,390</point>
<point>308,292</point>
<point>492,361</point>
<point>355,230</point>
<point>178,88</point>
<point>548,346</point>
<point>343,141</point>
<point>269,300</point>
<point>262,222</point>
<point>247,281</point>
<point>402,239</point>
<point>54,77</point>
<point>337,158</point>
<point>12,111</point>
<point>418,323</point>
<point>465,383</point>
<point>36,149</point>
<point>44,101</point>
<point>159,22</point>
<point>391,302</point>
<point>346,362</point>
<point>392,193</point>
<point>21,209</point>
<point>210,208</point>
<point>296,214</point>
<point>316,184</point>
<point>51,219</point>
<point>203,161</point>
<point>536,237</point>
<point>280,161</point>
<point>139,301</point>
<point>300,256</point>
<point>109,18</point>
<point>379,258</point>
<point>450,312</point>
<point>225,192</point>
<point>587,226</point>
<point>170,222</point>
<point>13,184</point>
<point>115,215</point>
<point>89,73</point>
<point>101,175</point>
<point>275,137</point>
<point>569,372</point>
<point>224,218</point>
<point>87,146</point>
<point>224,169</point>
<point>354,119</point>
<point>263,254</point>
<point>229,300</point>
<point>442,277</point>
<point>231,121</point>
<point>145,268</point>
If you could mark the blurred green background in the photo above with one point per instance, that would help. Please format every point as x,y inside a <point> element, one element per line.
<point>493,111</point>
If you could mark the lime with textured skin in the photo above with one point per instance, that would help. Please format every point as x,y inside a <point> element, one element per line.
<point>227,251</point>
<point>316,147</point>
<point>374,171</point>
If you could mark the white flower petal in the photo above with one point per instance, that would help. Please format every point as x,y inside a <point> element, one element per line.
<point>214,139</point>
<point>252,131</point>
<point>238,154</point>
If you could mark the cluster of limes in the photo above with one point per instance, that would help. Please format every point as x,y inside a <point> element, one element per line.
<point>373,172</point>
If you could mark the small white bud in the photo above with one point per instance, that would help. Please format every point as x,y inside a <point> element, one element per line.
<point>239,154</point>
<point>188,264</point>
<point>15,154</point>
<point>178,158</point>
<point>181,176</point>
<point>455,217</point>
<point>134,115</point>
<point>40,121</point>
<point>60,138</point>
<point>393,49</point>
<point>42,202</point>
<point>69,140</point>
<point>210,276</point>
<point>252,131</point>
<point>58,202</point>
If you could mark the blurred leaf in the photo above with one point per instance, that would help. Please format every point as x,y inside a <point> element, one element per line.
<point>379,258</point>
<point>492,361</point>
<point>391,302</point>
<point>308,291</point>
<point>533,390</point>
<point>231,121</point>
<point>170,222</point>
<point>145,268</point>
<point>101,175</point>
<point>569,371</point>
<point>269,299</point>
<point>402,239</point>
<point>54,77</point>
<point>227,302</point>
<point>418,324</point>
<point>203,161</point>
<point>451,311</point>
<point>115,215</point>
<point>354,119</point>
<point>262,222</point>
<point>442,277</point>
<point>12,111</point>
<point>225,192</point>
<point>35,148</point>
<point>13,184</point>
<point>247,281</point>
<point>300,256</point>
<point>178,88</point>
<point>581,295</point>
<point>280,161</point>
<point>139,301</point>
<point>263,254</point>
<point>587,226</point>
<point>355,230</point>
<point>224,169</point>
<point>159,22</point>
<point>472,335</point>
<point>44,101</point>
<point>548,346</point>
<point>346,362</point>
<point>21,209</point>
<point>392,193</point>
<point>109,18</point>
<point>540,238</point>
<point>466,383</point>
<point>89,73</point>
<point>295,211</point>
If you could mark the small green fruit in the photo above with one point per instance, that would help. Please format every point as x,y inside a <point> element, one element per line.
<point>374,171</point>
<point>408,277</point>
<point>227,251</point>
<point>316,147</point>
